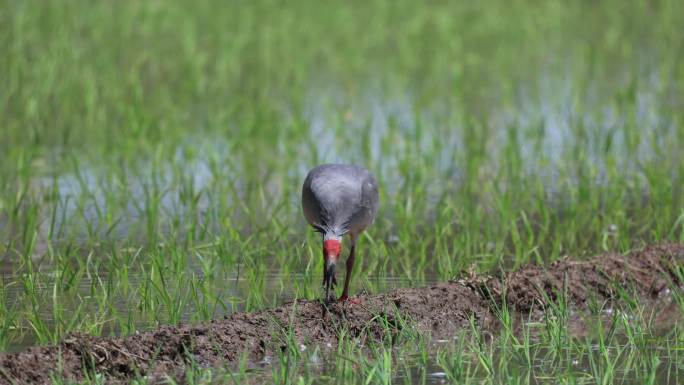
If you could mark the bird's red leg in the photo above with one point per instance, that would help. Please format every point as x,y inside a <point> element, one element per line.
<point>347,276</point>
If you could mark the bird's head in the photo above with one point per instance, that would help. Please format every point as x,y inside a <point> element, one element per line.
<point>331,252</point>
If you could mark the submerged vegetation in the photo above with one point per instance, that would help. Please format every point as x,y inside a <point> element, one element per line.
<point>152,155</point>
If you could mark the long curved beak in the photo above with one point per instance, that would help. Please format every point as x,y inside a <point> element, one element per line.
<point>329,276</point>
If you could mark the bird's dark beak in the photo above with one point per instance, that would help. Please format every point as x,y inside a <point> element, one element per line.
<point>329,277</point>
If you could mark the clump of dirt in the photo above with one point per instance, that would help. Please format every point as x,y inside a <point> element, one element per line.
<point>442,309</point>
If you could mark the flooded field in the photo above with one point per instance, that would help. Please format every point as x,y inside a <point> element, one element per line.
<point>618,307</point>
<point>152,157</point>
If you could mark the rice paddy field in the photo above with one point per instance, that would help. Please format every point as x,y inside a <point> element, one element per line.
<point>152,155</point>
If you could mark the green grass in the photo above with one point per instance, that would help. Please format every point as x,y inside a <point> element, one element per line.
<point>152,155</point>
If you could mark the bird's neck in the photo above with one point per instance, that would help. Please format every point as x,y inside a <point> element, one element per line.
<point>331,236</point>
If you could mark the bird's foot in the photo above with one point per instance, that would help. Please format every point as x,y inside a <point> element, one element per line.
<point>355,301</point>
<point>329,300</point>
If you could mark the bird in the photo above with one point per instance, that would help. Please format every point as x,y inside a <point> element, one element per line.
<point>339,200</point>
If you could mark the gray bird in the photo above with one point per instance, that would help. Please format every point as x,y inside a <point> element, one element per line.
<point>339,199</point>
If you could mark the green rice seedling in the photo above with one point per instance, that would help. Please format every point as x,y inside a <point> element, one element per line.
<point>456,362</point>
<point>604,356</point>
<point>8,323</point>
<point>482,349</point>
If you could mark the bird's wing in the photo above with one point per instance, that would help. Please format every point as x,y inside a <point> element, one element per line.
<point>367,207</point>
<point>339,198</point>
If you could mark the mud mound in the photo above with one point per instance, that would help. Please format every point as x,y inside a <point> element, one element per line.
<point>441,309</point>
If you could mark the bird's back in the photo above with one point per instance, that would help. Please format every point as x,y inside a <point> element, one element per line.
<point>340,198</point>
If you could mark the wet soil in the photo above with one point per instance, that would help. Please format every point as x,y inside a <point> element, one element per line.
<point>441,310</point>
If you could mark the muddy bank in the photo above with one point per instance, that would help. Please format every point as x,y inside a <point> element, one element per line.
<point>441,309</point>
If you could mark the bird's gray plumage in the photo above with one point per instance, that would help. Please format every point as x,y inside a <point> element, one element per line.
<point>339,199</point>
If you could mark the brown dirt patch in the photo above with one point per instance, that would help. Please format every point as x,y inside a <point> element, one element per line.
<point>441,309</point>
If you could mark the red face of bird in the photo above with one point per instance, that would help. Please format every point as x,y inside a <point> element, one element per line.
<point>331,250</point>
